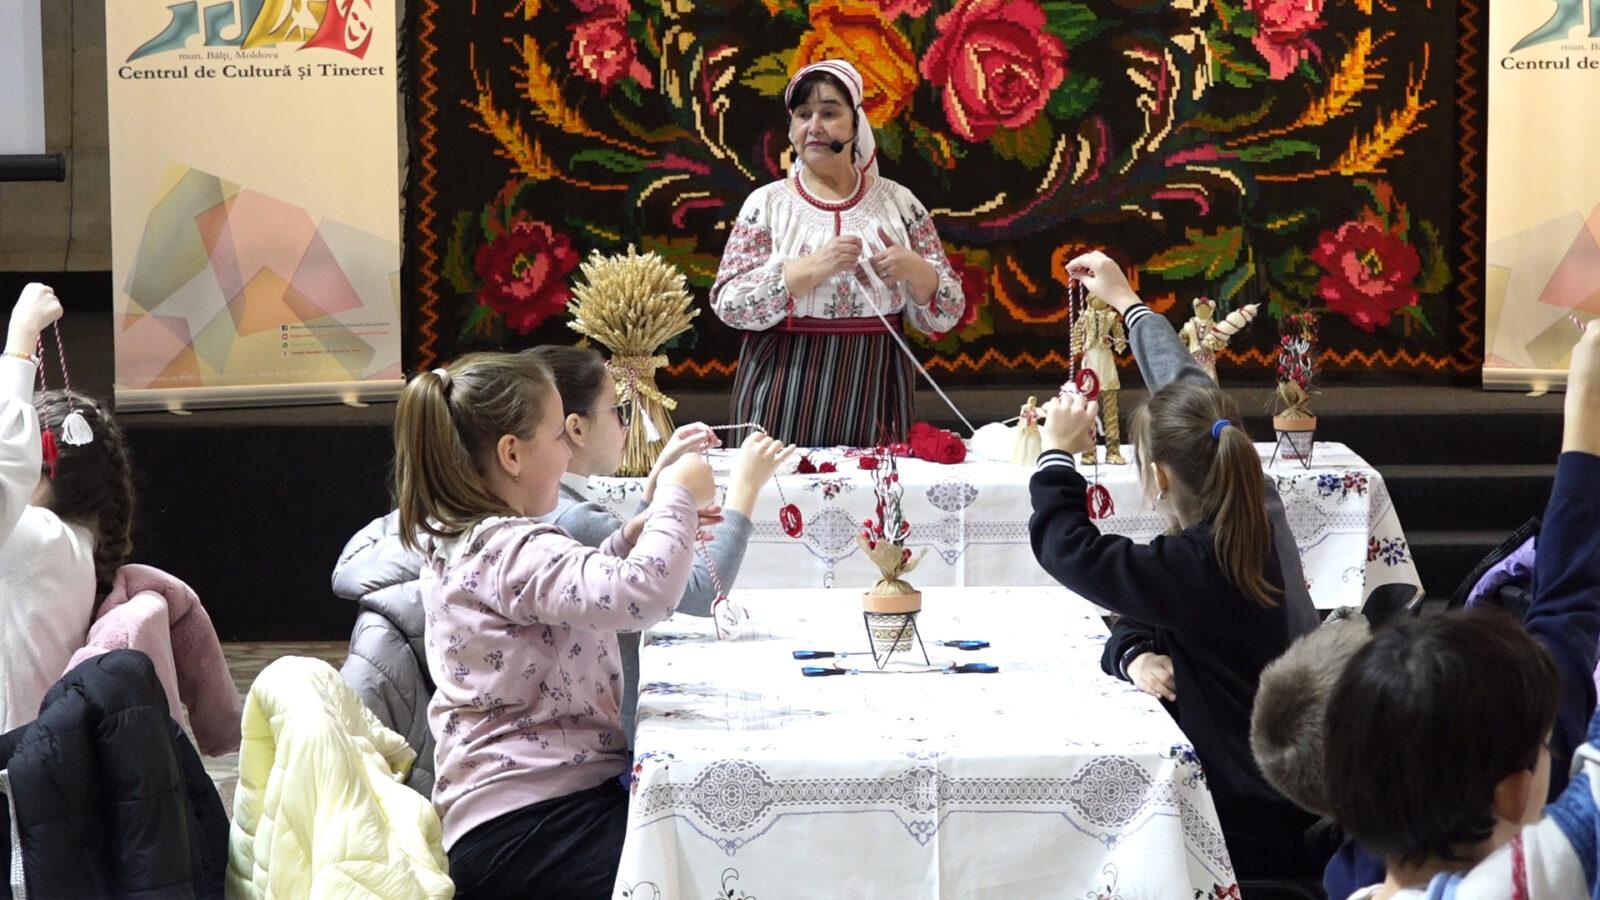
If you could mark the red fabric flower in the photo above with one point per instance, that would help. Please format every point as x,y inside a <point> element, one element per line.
<point>1283,32</point>
<point>827,468</point>
<point>805,466</point>
<point>996,64</point>
<point>524,273</point>
<point>936,445</point>
<point>603,51</point>
<point>868,462</point>
<point>1370,271</point>
<point>952,450</point>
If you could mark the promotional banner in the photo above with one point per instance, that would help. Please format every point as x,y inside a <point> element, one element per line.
<point>255,201</point>
<point>1542,284</point>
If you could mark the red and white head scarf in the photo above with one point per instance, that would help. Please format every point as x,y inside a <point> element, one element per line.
<point>866,158</point>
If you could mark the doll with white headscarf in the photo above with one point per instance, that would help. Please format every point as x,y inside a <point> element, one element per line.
<point>818,270</point>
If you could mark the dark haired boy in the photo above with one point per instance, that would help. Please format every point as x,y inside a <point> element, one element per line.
<point>1438,734</point>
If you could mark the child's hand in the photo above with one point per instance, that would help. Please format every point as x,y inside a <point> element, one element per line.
<point>37,307</point>
<point>1068,424</point>
<point>1100,275</point>
<point>1152,673</point>
<point>695,437</point>
<point>759,456</point>
<point>693,472</point>
<point>710,516</point>
<point>1581,425</point>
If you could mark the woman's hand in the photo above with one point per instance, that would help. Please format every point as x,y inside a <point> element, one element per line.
<point>1102,277</point>
<point>1069,422</point>
<point>759,457</point>
<point>37,308</point>
<point>895,262</point>
<point>1152,673</point>
<point>840,254</point>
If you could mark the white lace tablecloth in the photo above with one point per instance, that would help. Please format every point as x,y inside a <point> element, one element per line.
<point>1046,779</point>
<point>972,518</point>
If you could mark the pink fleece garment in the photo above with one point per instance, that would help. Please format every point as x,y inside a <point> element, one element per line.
<point>158,615</point>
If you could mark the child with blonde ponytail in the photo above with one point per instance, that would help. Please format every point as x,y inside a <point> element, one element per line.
<point>1204,608</point>
<point>521,626</point>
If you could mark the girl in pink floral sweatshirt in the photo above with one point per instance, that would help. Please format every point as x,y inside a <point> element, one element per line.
<point>521,624</point>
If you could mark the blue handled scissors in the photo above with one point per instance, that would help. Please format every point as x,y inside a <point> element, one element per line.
<point>832,654</point>
<point>827,654</point>
<point>963,668</point>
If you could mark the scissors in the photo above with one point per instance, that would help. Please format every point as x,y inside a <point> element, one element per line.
<point>832,654</point>
<point>952,669</point>
<point>962,645</point>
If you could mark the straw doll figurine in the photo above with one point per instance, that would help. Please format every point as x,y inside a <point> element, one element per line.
<point>1098,335</point>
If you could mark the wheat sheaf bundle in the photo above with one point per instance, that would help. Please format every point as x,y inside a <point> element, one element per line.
<point>633,303</point>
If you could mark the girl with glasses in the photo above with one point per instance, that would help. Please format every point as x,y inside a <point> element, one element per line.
<point>595,430</point>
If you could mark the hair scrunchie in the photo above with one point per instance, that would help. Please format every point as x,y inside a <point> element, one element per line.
<point>1216,428</point>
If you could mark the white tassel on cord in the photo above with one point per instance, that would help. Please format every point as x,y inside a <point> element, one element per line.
<point>75,430</point>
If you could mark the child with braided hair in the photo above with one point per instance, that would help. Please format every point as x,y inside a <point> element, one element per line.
<point>65,517</point>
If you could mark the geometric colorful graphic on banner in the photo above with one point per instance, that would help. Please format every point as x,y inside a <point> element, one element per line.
<point>218,264</point>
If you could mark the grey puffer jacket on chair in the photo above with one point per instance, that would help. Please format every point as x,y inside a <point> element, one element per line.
<point>386,665</point>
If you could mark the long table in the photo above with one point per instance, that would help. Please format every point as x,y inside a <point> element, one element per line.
<point>972,519</point>
<point>1047,778</point>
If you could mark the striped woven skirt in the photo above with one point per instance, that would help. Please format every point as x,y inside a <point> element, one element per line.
<point>825,383</point>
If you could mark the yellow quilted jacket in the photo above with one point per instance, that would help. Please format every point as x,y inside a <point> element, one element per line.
<point>322,809</point>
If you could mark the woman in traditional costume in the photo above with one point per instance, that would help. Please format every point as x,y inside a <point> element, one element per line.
<point>819,271</point>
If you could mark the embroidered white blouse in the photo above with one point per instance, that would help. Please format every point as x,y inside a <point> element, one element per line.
<point>783,221</point>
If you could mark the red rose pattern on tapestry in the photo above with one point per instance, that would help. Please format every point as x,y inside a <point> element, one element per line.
<point>996,64</point>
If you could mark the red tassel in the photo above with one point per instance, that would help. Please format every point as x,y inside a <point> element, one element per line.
<point>49,450</point>
<point>1099,499</point>
<point>789,517</point>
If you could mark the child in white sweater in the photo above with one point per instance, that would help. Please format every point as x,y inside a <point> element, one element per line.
<point>64,517</point>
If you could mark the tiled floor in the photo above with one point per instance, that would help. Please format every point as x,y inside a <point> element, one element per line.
<point>246,661</point>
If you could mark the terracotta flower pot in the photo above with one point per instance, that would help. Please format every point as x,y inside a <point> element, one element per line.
<point>891,604</point>
<point>1296,435</point>
<point>891,620</point>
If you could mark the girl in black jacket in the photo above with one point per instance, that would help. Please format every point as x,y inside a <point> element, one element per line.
<point>1204,608</point>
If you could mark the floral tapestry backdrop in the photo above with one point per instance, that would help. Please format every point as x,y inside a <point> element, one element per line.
<point>1299,153</point>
